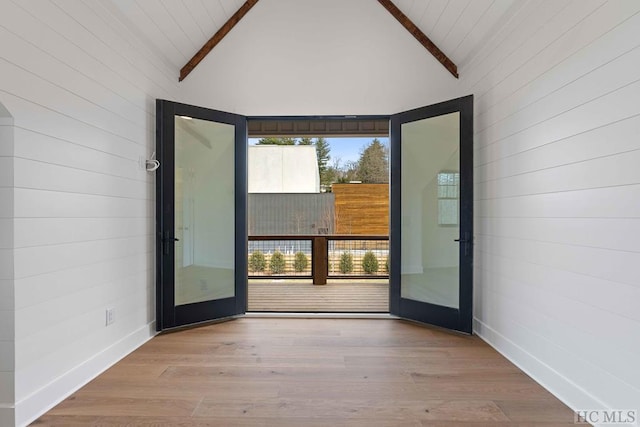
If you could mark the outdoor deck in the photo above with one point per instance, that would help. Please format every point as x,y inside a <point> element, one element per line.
<point>338,295</point>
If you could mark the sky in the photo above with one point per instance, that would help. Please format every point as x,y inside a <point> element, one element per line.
<point>346,149</point>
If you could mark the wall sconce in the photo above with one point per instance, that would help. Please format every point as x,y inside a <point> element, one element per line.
<point>151,165</point>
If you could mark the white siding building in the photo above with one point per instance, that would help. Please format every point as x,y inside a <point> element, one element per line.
<point>283,169</point>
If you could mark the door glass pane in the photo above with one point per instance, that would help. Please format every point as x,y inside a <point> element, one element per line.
<point>430,210</point>
<point>204,210</point>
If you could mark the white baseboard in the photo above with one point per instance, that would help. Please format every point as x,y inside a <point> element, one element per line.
<point>561,387</point>
<point>39,402</point>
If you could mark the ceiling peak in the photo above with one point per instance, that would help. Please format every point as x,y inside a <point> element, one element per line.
<point>420,36</point>
<point>387,4</point>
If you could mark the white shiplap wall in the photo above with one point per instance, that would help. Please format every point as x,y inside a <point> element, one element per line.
<point>557,183</point>
<point>7,313</point>
<point>82,93</point>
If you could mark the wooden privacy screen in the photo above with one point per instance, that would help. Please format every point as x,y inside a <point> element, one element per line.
<point>361,208</point>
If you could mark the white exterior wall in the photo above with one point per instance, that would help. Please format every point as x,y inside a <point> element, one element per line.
<point>283,169</point>
<point>557,191</point>
<point>82,93</point>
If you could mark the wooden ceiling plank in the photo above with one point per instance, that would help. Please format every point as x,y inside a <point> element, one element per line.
<point>314,128</point>
<point>420,36</point>
<point>217,38</point>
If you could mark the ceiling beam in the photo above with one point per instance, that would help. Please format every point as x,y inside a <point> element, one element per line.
<point>420,36</point>
<point>217,38</point>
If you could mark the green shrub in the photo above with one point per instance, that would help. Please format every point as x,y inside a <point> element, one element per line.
<point>370,262</point>
<point>300,262</point>
<point>277,263</point>
<point>257,261</point>
<point>386,266</point>
<point>346,263</point>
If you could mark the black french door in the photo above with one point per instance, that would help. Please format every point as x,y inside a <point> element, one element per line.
<point>201,200</point>
<point>432,214</point>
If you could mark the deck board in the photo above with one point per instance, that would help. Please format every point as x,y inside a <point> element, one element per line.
<point>343,296</point>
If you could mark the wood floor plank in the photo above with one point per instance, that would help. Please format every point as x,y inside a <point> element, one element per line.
<point>533,410</point>
<point>350,408</point>
<point>494,390</point>
<point>185,389</point>
<point>425,366</point>
<point>135,371</point>
<point>312,372</point>
<point>79,404</point>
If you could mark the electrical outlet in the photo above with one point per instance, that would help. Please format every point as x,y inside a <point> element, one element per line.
<point>110,316</point>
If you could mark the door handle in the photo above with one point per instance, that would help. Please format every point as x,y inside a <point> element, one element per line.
<point>166,240</point>
<point>466,241</point>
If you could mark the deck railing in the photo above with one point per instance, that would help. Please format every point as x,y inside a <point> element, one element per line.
<point>319,257</point>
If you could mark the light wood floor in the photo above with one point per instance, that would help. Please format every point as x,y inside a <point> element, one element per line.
<point>312,372</point>
<point>338,295</point>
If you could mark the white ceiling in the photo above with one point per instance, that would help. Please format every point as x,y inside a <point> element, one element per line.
<point>457,27</point>
<point>177,29</point>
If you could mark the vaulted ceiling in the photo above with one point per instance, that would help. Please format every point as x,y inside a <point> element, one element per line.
<point>177,29</point>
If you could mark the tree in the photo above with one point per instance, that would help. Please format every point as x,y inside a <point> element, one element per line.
<point>349,172</point>
<point>300,262</point>
<point>373,166</point>
<point>305,140</point>
<point>370,262</point>
<point>334,172</point>
<point>322,152</point>
<point>277,141</point>
<point>346,263</point>
<point>277,263</point>
<point>257,262</point>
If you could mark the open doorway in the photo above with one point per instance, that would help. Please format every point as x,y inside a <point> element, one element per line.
<point>318,215</point>
<point>430,254</point>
